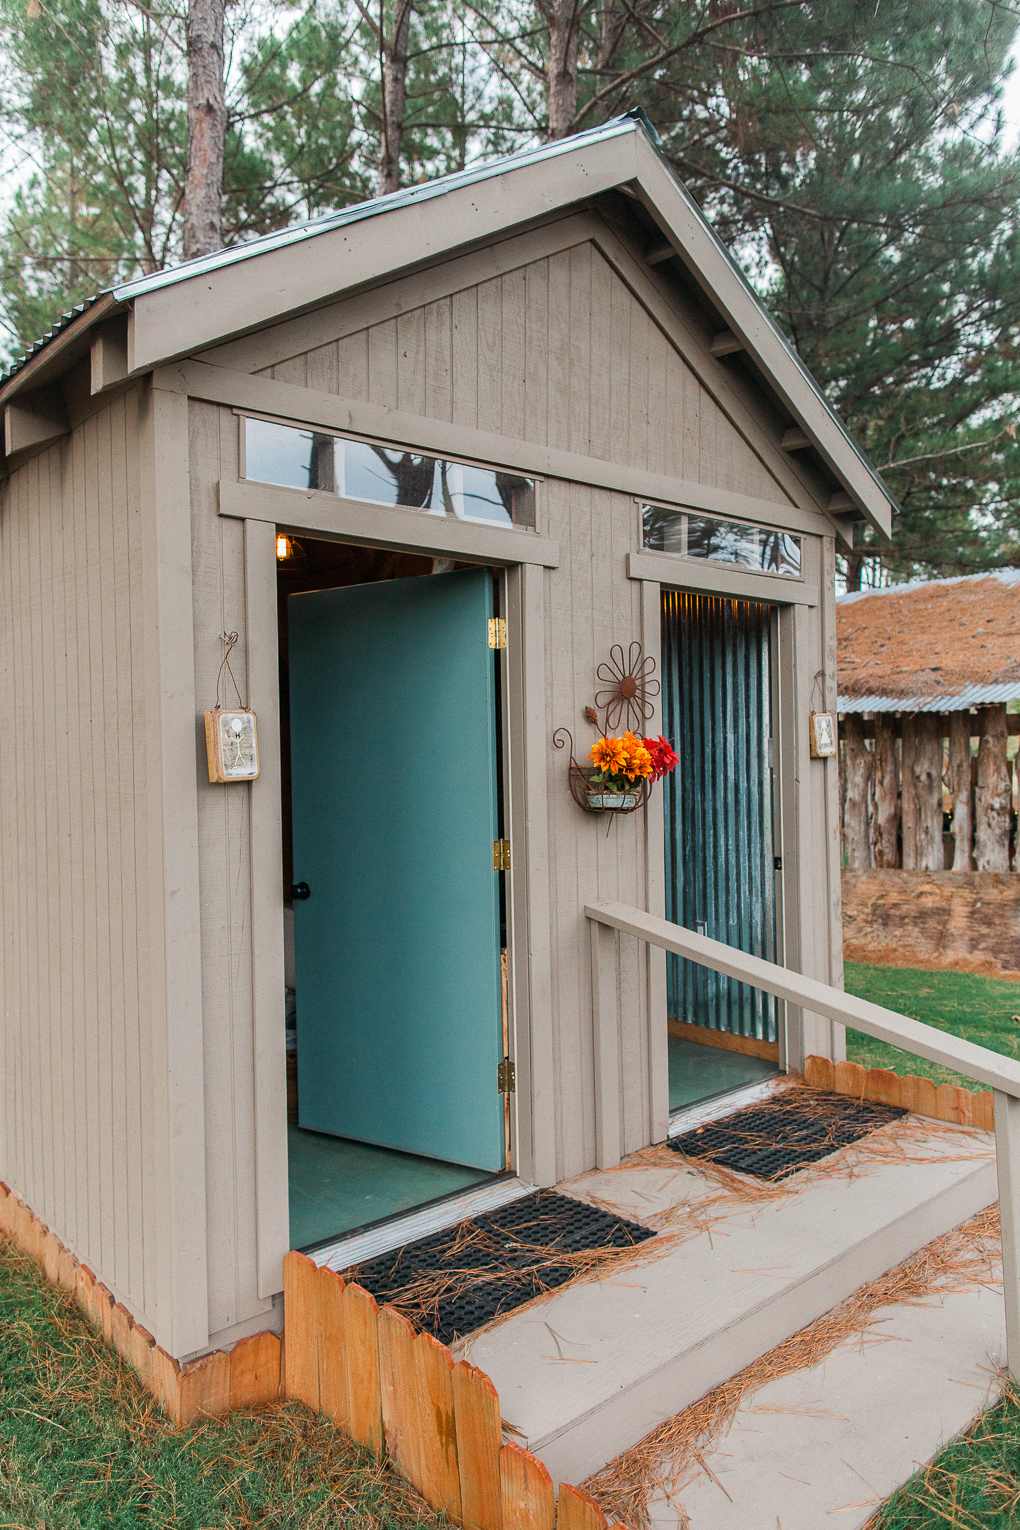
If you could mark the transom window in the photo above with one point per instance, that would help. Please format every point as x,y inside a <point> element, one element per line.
<point>385,475</point>
<point>761,549</point>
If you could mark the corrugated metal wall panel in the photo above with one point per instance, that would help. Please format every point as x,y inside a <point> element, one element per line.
<point>719,834</point>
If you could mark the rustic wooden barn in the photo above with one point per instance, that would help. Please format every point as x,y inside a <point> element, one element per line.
<point>929,682</point>
<point>534,400</point>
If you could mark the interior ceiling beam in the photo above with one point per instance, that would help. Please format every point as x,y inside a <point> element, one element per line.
<point>33,419</point>
<point>794,440</point>
<point>725,343</point>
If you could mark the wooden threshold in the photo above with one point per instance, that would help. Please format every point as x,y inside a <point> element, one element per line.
<point>706,1036</point>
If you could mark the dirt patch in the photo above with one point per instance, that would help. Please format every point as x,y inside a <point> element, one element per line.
<point>944,920</point>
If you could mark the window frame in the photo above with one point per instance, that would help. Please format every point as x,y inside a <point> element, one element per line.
<point>644,550</point>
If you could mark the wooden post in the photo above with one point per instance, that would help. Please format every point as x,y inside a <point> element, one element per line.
<point>960,784</point>
<point>886,812</point>
<point>992,797</point>
<point>605,966</point>
<point>922,792</point>
<point>1007,1162</point>
<point>856,794</point>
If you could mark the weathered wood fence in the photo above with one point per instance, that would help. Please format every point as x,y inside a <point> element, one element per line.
<point>905,775</point>
<point>439,1419</point>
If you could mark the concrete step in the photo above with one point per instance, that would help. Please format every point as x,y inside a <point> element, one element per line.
<point>589,1371</point>
<point>825,1446</point>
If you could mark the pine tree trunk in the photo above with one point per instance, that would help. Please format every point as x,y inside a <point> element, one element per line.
<point>207,129</point>
<point>960,784</point>
<point>992,796</point>
<point>886,822</point>
<point>394,98</point>
<point>561,17</point>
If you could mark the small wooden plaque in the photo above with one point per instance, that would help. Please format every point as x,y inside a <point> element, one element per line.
<point>823,735</point>
<point>232,745</point>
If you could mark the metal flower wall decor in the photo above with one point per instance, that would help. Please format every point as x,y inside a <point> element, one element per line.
<point>623,768</point>
<point>629,688</point>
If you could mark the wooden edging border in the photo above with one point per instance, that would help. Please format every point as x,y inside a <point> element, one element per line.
<point>247,1376</point>
<point>363,1366</point>
<point>439,1419</point>
<point>921,1096</point>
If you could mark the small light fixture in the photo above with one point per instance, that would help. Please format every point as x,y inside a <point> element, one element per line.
<point>284,547</point>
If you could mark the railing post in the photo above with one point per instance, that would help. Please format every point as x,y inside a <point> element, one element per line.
<point>1007,1165</point>
<point>605,993</point>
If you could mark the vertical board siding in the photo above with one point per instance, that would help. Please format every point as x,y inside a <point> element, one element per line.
<point>224,833</point>
<point>560,352</point>
<point>78,1091</point>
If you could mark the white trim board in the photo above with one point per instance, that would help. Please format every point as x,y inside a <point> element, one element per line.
<point>420,1224</point>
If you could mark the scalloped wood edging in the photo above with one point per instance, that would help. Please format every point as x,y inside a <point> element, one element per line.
<point>439,1419</point>
<point>921,1096</point>
<point>247,1376</point>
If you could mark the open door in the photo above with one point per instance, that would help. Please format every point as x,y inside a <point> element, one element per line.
<point>395,810</point>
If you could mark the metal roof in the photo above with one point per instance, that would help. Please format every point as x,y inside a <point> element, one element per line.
<point>958,701</point>
<point>634,121</point>
<point>126,292</point>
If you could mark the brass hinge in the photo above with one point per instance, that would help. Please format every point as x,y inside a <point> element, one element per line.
<point>506,1076</point>
<point>497,632</point>
<point>501,855</point>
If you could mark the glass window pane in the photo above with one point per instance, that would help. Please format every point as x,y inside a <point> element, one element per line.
<point>486,494</point>
<point>760,549</point>
<point>663,529</point>
<point>297,459</point>
<point>386,475</point>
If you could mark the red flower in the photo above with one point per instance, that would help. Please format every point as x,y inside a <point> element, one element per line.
<point>663,757</point>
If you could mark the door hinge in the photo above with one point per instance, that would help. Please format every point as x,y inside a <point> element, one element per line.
<point>506,1076</point>
<point>501,855</point>
<point>497,631</point>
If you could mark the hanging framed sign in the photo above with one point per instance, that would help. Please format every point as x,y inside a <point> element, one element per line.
<point>231,733</point>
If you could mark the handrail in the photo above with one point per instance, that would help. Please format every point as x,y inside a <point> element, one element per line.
<point>978,1063</point>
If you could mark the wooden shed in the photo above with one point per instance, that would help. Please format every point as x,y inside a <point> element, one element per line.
<point>452,465</point>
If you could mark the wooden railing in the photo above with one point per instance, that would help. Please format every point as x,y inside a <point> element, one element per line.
<point>608,921</point>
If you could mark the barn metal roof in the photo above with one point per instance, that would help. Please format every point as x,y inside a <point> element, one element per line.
<point>957,639</point>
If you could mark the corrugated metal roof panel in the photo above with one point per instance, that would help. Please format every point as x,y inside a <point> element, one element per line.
<point>959,701</point>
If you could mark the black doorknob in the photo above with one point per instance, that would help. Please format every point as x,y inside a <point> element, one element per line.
<point>300,892</point>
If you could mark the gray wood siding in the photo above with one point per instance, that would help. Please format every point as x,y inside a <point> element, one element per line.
<point>225,891</point>
<point>559,351</point>
<point>82,1091</point>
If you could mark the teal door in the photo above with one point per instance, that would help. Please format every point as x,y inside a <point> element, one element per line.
<point>394,789</point>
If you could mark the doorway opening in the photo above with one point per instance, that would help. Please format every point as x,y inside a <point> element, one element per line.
<point>722,870</point>
<point>395,919</point>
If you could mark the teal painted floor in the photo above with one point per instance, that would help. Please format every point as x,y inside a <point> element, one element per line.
<point>699,1073</point>
<point>336,1185</point>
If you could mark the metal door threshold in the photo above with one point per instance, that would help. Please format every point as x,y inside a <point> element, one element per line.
<point>419,1224</point>
<point>723,1105</point>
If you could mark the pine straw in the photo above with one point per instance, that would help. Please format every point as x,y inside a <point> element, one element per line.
<point>661,1463</point>
<point>978,1467</point>
<point>720,1195</point>
<point>482,1256</point>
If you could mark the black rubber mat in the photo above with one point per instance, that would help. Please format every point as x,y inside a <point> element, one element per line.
<point>778,1137</point>
<point>455,1281</point>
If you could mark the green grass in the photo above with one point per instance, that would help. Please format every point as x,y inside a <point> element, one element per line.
<point>978,1008</point>
<point>974,1484</point>
<point>83,1447</point>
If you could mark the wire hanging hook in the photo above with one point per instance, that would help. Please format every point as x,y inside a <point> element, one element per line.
<point>229,641</point>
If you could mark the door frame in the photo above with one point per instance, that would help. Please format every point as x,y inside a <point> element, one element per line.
<point>523,704</point>
<point>798,615</point>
